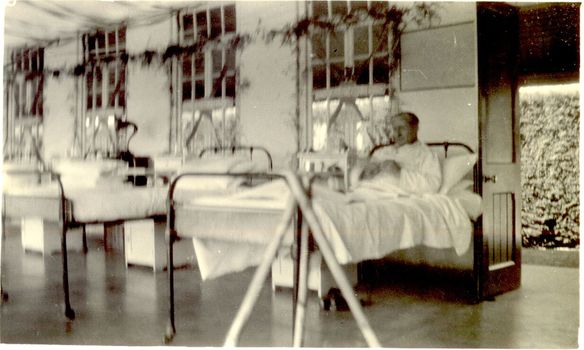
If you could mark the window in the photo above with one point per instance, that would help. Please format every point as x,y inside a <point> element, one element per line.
<point>350,75</point>
<point>24,104</point>
<point>106,75</point>
<point>208,77</point>
<point>28,65</point>
<point>357,53</point>
<point>105,88</point>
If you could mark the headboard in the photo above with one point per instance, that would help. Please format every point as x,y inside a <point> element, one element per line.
<point>237,150</point>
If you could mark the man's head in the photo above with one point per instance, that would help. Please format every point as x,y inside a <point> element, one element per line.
<point>405,128</point>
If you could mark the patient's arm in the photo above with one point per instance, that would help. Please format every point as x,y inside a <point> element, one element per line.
<point>370,169</point>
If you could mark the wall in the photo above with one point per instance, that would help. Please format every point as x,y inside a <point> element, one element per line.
<point>267,106</point>
<point>60,101</point>
<point>447,113</point>
<point>148,89</point>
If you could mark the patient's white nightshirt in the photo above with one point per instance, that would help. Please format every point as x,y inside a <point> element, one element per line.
<point>420,167</point>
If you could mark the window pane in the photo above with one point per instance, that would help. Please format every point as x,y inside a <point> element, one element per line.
<point>230,59</point>
<point>90,43</point>
<point>199,64</point>
<point>25,61</point>
<point>202,24</point>
<point>100,40</point>
<point>188,27</point>
<point>33,59</point>
<point>319,8</point>
<point>339,7</point>
<point>337,73</point>
<point>199,89</point>
<point>362,72</point>
<point>122,75</point>
<point>361,41</point>
<point>111,40</point>
<point>230,20</point>
<point>187,67</point>
<point>122,38</point>
<point>112,77</point>
<point>380,5</point>
<point>217,61</point>
<point>318,77</point>
<point>18,61</point>
<point>337,45</point>
<point>122,98</point>
<point>41,59</point>
<point>230,86</point>
<point>89,85</point>
<point>216,88</point>
<point>379,39</point>
<point>358,5</point>
<point>319,46</point>
<point>215,22</point>
<point>380,70</point>
<point>186,90</point>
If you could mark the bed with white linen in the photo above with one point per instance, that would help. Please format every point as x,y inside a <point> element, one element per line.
<point>230,232</point>
<point>81,192</point>
<point>77,193</point>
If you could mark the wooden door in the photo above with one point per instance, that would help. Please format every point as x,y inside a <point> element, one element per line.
<point>499,248</point>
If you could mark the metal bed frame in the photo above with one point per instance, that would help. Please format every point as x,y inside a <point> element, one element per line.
<point>476,294</point>
<point>58,210</point>
<point>298,210</point>
<point>233,150</point>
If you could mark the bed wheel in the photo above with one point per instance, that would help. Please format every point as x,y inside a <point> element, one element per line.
<point>70,314</point>
<point>325,303</point>
<point>169,335</point>
<point>334,301</point>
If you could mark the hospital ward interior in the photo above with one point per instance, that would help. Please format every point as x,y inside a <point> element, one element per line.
<point>290,174</point>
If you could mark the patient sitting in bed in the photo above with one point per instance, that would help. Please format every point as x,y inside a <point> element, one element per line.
<point>405,167</point>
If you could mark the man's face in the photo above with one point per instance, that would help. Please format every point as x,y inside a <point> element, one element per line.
<point>403,133</point>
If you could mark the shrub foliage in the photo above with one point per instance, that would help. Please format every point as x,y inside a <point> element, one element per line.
<point>550,169</point>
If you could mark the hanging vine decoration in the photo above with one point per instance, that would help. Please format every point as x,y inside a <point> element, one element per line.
<point>147,57</point>
<point>393,20</point>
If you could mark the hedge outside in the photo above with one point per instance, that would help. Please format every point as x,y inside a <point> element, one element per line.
<point>550,168</point>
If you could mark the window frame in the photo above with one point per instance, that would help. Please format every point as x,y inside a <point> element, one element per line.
<point>24,109</point>
<point>104,85</point>
<point>100,62</point>
<point>27,66</point>
<point>348,92</point>
<point>209,98</point>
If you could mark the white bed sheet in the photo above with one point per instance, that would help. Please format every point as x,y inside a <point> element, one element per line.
<point>103,203</point>
<point>357,229</point>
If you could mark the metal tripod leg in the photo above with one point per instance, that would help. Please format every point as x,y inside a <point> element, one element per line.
<point>259,277</point>
<point>3,295</point>
<point>331,260</point>
<point>300,306</point>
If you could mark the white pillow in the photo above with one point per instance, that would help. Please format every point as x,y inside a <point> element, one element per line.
<point>454,168</point>
<point>461,186</point>
<point>214,183</point>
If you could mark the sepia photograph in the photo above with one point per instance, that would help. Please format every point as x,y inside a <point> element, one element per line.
<point>290,173</point>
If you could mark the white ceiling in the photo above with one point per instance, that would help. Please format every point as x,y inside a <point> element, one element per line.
<point>35,22</point>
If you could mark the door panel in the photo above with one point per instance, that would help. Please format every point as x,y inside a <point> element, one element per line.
<point>500,263</point>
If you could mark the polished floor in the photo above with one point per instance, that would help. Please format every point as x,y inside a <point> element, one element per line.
<point>116,305</point>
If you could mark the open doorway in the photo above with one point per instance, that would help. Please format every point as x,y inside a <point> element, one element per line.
<point>549,124</point>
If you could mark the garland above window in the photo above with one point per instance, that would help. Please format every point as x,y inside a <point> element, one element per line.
<point>393,20</point>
